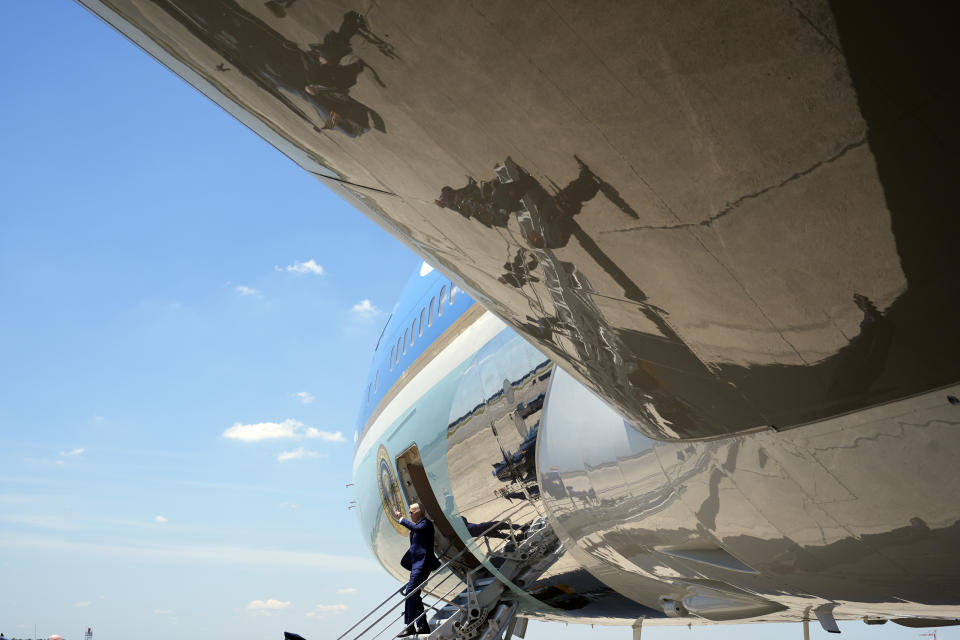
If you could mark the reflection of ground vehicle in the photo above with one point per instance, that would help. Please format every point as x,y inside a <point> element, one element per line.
<point>534,405</point>
<point>520,464</point>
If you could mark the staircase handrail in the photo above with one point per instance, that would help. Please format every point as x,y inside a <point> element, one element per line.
<point>411,594</point>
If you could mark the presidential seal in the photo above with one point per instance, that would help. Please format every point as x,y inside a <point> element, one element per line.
<point>389,489</point>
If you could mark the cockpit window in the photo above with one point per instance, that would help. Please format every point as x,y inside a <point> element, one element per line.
<point>413,331</point>
<point>453,292</point>
<point>433,308</point>
<point>443,300</point>
<point>423,316</point>
<point>376,381</point>
<point>399,347</point>
<point>393,356</point>
<point>406,336</point>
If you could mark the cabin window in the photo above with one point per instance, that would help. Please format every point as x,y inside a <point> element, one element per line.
<point>423,316</point>
<point>413,331</point>
<point>393,356</point>
<point>453,292</point>
<point>406,336</point>
<point>430,313</point>
<point>443,300</point>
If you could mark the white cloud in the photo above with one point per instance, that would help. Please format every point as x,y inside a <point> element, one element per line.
<point>309,266</point>
<point>293,506</point>
<point>268,607</point>
<point>296,454</point>
<point>256,432</point>
<point>325,610</point>
<point>328,436</point>
<point>348,590</point>
<point>73,452</point>
<point>289,429</point>
<point>82,604</point>
<point>159,519</point>
<point>247,291</point>
<point>305,397</point>
<point>366,309</point>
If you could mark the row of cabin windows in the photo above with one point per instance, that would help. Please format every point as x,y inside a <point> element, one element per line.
<point>427,314</point>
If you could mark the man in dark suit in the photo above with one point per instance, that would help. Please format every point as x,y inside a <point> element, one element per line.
<point>420,561</point>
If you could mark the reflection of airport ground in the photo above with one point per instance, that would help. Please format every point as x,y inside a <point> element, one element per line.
<point>491,442</point>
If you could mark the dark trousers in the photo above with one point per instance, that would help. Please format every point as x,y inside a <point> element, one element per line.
<point>413,607</point>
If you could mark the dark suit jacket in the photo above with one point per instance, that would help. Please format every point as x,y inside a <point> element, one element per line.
<point>420,557</point>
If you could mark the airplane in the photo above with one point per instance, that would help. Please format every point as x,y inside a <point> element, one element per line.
<point>687,350</point>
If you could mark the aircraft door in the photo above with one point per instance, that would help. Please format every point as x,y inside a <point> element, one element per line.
<point>416,486</point>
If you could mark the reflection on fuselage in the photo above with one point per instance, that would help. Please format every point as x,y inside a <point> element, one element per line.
<point>820,514</point>
<point>492,432</point>
<point>492,435</point>
<point>281,68</point>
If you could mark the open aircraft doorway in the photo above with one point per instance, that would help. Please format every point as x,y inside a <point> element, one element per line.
<point>416,488</point>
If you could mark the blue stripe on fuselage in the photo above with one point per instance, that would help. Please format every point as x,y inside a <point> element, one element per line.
<point>416,297</point>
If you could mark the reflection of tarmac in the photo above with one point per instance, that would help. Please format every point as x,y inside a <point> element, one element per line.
<point>470,466</point>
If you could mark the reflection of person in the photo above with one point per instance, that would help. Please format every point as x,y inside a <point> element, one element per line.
<point>279,7</point>
<point>533,492</point>
<point>492,529</point>
<point>255,49</point>
<point>420,561</point>
<point>336,44</point>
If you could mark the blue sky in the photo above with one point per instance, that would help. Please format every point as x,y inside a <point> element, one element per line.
<point>166,275</point>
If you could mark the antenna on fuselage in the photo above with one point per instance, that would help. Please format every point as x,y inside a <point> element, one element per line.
<point>382,331</point>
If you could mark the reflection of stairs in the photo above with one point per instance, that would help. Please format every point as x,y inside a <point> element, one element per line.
<point>555,277</point>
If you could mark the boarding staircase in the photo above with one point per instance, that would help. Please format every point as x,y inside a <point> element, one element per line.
<point>478,606</point>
